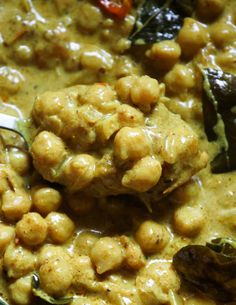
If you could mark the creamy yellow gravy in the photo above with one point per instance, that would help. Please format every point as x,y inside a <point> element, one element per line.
<point>40,50</point>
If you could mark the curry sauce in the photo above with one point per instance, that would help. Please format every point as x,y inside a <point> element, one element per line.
<point>118,177</point>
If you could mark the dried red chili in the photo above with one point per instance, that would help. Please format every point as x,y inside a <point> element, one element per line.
<point>119,8</point>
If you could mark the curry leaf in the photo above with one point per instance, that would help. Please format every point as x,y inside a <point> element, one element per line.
<point>210,268</point>
<point>44,296</point>
<point>160,20</point>
<point>219,110</point>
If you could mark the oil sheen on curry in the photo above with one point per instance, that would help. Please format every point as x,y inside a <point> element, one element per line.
<point>126,194</point>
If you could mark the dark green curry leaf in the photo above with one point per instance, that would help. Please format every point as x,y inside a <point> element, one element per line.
<point>219,110</point>
<point>44,296</point>
<point>210,268</point>
<point>160,20</point>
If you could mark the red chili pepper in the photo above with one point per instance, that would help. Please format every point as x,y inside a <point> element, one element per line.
<point>119,8</point>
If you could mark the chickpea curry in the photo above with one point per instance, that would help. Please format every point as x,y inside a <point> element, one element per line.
<point>126,193</point>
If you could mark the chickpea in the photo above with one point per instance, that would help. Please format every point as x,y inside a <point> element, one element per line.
<point>154,282</point>
<point>96,59</point>
<point>188,221</point>
<point>166,53</point>
<point>144,175</point>
<point>71,53</point>
<point>18,261</point>
<point>222,34</point>
<point>85,241</point>
<point>49,251</point>
<point>186,193</point>
<point>7,234</point>
<point>134,258</point>
<point>98,95</point>
<point>4,185</point>
<point>44,108</point>
<point>56,276</point>
<point>106,34</point>
<point>210,9</point>
<point>91,13</point>
<point>145,92</point>
<point>15,204</point>
<point>83,271</point>
<point>152,237</point>
<point>192,37</point>
<point>81,204</point>
<point>80,171</point>
<point>131,144</point>
<point>129,116</point>
<point>32,229</point>
<point>48,148</point>
<point>179,79</point>
<point>107,255</point>
<point>19,160</point>
<point>8,177</point>
<point>125,66</point>
<point>88,114</point>
<point>47,151</point>
<point>226,60</point>
<point>60,227</point>
<point>21,291</point>
<point>121,46</point>
<point>123,87</point>
<point>106,127</point>
<point>11,80</point>
<point>46,200</point>
<point>23,53</point>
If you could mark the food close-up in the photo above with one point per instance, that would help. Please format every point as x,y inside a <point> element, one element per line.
<point>118,152</point>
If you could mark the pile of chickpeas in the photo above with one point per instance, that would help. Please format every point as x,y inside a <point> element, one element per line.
<point>91,141</point>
